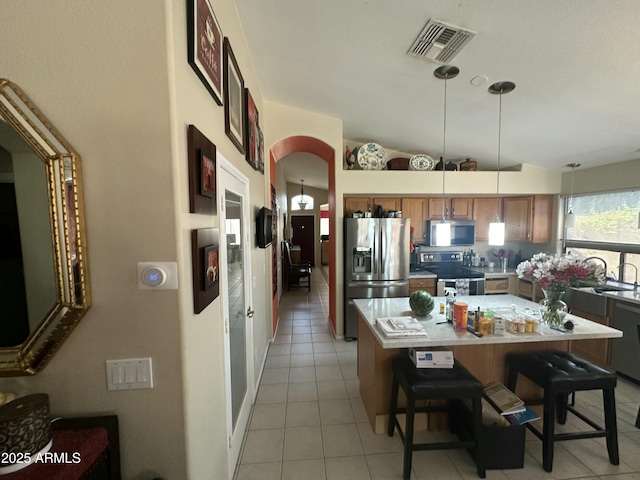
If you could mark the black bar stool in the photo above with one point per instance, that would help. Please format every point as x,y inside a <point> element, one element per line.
<point>561,374</point>
<point>439,383</point>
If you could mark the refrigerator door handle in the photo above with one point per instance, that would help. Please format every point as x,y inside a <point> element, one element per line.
<point>383,251</point>
<point>375,249</point>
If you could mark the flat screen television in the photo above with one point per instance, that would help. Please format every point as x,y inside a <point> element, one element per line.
<point>264,227</point>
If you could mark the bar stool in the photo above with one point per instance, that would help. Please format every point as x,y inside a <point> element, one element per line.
<point>561,374</point>
<point>440,383</point>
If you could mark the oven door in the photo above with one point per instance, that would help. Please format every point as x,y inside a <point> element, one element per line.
<point>462,286</point>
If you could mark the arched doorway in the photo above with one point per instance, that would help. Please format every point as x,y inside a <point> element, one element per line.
<point>305,144</point>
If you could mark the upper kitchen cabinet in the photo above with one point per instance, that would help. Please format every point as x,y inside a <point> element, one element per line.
<point>369,204</point>
<point>485,211</point>
<point>528,218</point>
<point>388,203</point>
<point>357,204</point>
<point>416,210</point>
<point>456,208</point>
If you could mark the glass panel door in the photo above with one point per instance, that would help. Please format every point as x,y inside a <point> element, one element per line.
<point>236,301</point>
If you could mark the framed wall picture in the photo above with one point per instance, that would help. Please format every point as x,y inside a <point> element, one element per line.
<point>233,98</point>
<point>252,133</point>
<point>211,268</point>
<point>205,267</point>
<point>205,46</point>
<point>207,176</point>
<point>201,157</point>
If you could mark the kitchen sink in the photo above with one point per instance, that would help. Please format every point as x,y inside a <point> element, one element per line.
<point>590,298</point>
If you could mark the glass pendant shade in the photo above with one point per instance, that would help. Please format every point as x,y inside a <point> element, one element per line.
<point>570,219</point>
<point>496,233</point>
<point>443,234</point>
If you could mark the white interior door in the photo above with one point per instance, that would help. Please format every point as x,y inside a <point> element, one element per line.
<point>235,231</point>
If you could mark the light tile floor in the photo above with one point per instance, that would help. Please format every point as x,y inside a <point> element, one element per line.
<point>308,421</point>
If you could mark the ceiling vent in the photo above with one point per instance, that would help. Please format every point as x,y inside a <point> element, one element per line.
<point>440,42</point>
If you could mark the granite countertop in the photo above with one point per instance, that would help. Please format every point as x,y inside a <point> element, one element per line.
<point>442,334</point>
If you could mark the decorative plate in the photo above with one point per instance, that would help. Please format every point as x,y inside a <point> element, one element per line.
<point>372,156</point>
<point>421,162</point>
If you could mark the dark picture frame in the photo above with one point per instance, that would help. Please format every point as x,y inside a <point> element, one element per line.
<point>200,151</point>
<point>207,176</point>
<point>211,266</point>
<point>233,98</point>
<point>252,130</point>
<point>204,241</point>
<point>205,46</point>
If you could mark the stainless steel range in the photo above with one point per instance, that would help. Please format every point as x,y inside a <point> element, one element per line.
<point>449,271</point>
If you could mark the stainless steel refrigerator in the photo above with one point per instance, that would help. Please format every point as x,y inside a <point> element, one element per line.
<point>376,259</point>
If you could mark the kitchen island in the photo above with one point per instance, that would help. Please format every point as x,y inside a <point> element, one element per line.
<point>484,357</point>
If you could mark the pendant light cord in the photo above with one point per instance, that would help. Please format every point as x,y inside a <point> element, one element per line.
<point>444,144</point>
<point>499,153</point>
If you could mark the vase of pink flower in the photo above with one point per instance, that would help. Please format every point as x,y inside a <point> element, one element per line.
<point>555,274</point>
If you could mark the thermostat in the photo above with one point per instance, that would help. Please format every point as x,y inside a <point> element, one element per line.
<point>157,276</point>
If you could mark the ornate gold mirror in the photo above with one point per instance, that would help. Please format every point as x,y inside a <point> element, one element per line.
<point>44,284</point>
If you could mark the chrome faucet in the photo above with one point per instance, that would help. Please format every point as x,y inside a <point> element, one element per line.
<point>635,283</point>
<point>604,262</point>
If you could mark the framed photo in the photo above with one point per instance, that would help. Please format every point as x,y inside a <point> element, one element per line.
<point>233,98</point>
<point>205,265</point>
<point>260,151</point>
<point>201,156</point>
<point>252,132</point>
<point>207,176</point>
<point>211,268</point>
<point>205,46</point>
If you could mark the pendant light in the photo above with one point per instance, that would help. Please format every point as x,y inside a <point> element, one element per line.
<point>443,228</point>
<point>302,203</point>
<point>497,228</point>
<point>570,218</point>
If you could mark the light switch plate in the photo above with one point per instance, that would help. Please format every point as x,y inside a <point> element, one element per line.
<point>157,276</point>
<point>129,374</point>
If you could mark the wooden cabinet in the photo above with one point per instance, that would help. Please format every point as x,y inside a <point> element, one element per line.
<point>416,210</point>
<point>485,211</point>
<point>595,350</point>
<point>357,204</point>
<point>456,208</point>
<point>427,284</point>
<point>496,285</point>
<point>387,203</point>
<point>528,218</point>
<point>529,291</point>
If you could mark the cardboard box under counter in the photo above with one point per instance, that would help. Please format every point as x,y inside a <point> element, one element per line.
<point>431,358</point>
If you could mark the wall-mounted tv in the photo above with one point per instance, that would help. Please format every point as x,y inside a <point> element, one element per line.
<point>264,227</point>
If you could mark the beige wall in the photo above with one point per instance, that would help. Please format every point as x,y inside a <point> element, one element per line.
<point>616,176</point>
<point>98,71</point>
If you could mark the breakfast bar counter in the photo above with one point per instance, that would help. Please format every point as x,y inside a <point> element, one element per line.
<point>482,356</point>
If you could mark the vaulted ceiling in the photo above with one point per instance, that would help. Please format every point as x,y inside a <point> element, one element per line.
<point>575,63</point>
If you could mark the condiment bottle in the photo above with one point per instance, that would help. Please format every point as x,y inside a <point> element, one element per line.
<point>460,311</point>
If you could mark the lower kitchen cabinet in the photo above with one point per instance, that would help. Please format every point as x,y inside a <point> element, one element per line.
<point>426,284</point>
<point>496,285</point>
<point>626,350</point>
<point>595,350</point>
<point>529,291</point>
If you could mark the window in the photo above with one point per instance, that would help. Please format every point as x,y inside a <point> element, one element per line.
<point>607,226</point>
<point>295,202</point>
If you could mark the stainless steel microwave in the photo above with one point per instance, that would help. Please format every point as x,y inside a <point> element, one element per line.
<point>463,232</point>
